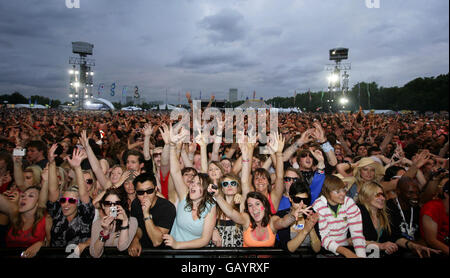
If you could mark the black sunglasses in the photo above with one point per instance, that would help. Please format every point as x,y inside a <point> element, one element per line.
<point>288,179</point>
<point>298,200</point>
<point>229,183</point>
<point>142,192</point>
<point>109,203</point>
<point>305,155</point>
<point>62,200</point>
<point>89,181</point>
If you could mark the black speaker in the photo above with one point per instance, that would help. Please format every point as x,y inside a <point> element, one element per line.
<point>338,53</point>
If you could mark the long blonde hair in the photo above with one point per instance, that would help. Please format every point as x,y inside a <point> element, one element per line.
<point>367,192</point>
<point>16,219</point>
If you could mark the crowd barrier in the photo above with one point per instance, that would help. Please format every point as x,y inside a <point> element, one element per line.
<point>207,253</point>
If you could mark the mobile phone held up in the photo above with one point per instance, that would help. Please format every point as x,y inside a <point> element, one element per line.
<point>19,152</point>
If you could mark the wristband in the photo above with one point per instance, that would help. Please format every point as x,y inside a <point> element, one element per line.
<point>148,218</point>
<point>406,244</point>
<point>124,228</point>
<point>102,237</point>
<point>243,161</point>
<point>326,147</point>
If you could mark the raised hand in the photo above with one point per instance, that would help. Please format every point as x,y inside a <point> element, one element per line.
<point>176,138</point>
<point>148,129</point>
<point>51,153</point>
<point>84,139</point>
<point>319,133</point>
<point>317,154</point>
<point>165,133</point>
<point>77,157</point>
<point>306,137</point>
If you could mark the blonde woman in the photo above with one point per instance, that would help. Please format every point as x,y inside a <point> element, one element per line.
<point>30,224</point>
<point>227,233</point>
<point>376,227</point>
<point>366,169</point>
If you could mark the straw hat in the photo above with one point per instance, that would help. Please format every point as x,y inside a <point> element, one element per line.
<point>379,169</point>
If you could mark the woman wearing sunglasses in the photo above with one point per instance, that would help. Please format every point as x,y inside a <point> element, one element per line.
<point>30,223</point>
<point>302,232</point>
<point>377,228</point>
<point>72,211</point>
<point>227,233</point>
<point>116,228</point>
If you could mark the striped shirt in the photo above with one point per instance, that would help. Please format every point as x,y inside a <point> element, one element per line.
<point>333,230</point>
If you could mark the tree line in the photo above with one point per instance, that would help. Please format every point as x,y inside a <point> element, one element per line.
<point>420,94</point>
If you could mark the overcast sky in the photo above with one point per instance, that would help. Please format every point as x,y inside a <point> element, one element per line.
<point>271,46</point>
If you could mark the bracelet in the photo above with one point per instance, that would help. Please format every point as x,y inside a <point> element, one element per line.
<point>148,218</point>
<point>244,161</point>
<point>102,237</point>
<point>125,228</point>
<point>406,244</point>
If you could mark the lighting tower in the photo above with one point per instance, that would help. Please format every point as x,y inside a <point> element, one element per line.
<point>334,80</point>
<point>81,78</point>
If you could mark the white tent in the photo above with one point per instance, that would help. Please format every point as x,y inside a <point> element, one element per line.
<point>163,107</point>
<point>131,108</point>
<point>379,111</point>
<point>37,106</point>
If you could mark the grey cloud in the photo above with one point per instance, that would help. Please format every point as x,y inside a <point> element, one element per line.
<point>226,26</point>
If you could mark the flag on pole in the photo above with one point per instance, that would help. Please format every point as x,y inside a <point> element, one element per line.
<point>35,102</point>
<point>113,87</point>
<point>254,94</point>
<point>309,93</point>
<point>136,92</point>
<point>101,87</point>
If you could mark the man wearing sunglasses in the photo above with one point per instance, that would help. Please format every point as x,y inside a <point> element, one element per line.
<point>73,211</point>
<point>155,215</point>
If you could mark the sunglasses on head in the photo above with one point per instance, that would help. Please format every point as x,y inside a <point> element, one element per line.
<point>298,200</point>
<point>109,203</point>
<point>62,200</point>
<point>142,192</point>
<point>288,179</point>
<point>89,181</point>
<point>229,183</point>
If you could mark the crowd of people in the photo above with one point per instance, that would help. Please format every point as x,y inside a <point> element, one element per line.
<point>341,185</point>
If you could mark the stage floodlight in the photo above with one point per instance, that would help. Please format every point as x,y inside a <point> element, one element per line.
<point>343,100</point>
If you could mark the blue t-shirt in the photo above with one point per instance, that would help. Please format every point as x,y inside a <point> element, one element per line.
<point>185,228</point>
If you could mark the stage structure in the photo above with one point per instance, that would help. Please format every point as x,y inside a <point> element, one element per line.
<point>337,94</point>
<point>81,74</point>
